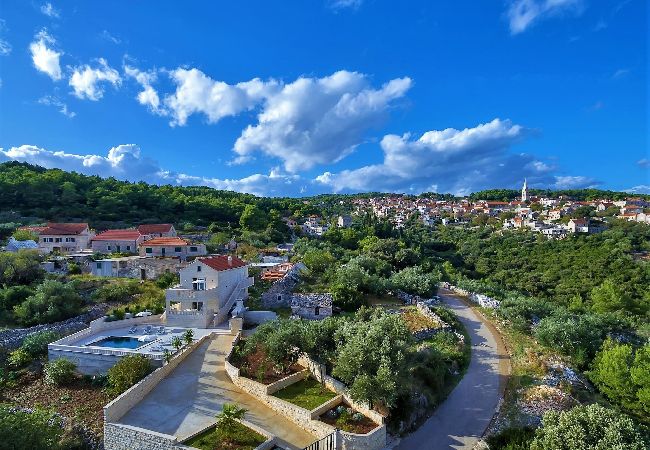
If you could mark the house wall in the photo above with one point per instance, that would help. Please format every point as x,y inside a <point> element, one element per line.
<point>112,246</point>
<point>170,250</point>
<point>81,242</point>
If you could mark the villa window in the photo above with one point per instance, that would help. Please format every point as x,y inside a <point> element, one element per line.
<point>148,250</point>
<point>317,311</point>
<point>128,247</point>
<point>198,284</point>
<point>198,268</point>
<point>177,249</point>
<point>108,247</point>
<point>193,249</point>
<point>99,265</point>
<point>58,240</point>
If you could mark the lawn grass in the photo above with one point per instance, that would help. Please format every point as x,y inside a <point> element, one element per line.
<point>307,393</point>
<point>239,437</point>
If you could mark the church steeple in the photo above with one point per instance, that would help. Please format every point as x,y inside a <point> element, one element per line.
<point>524,191</point>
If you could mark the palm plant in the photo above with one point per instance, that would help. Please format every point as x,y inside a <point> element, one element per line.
<point>167,355</point>
<point>229,415</point>
<point>177,343</point>
<point>188,336</point>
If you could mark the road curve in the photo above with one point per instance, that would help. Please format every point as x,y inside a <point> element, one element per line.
<point>464,416</point>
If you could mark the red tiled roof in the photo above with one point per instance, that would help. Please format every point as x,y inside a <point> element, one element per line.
<point>221,262</point>
<point>118,235</point>
<point>64,228</point>
<point>33,229</point>
<point>165,242</point>
<point>155,228</point>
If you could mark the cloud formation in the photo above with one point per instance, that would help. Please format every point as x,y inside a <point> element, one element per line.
<point>44,57</point>
<point>522,14</point>
<point>644,162</point>
<point>451,160</point>
<point>344,4</point>
<point>5,46</point>
<point>315,121</point>
<point>197,93</point>
<point>125,162</point>
<point>50,100</point>
<point>87,82</point>
<point>49,10</point>
<point>307,122</point>
<point>148,96</point>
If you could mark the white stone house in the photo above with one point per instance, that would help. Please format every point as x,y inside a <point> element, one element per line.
<point>111,241</point>
<point>208,289</point>
<point>344,221</point>
<point>63,237</point>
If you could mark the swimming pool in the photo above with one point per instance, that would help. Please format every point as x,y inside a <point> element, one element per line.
<point>118,342</point>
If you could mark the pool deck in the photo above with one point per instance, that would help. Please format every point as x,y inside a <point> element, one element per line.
<point>156,344</point>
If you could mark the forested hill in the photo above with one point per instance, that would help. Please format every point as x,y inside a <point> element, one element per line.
<point>505,195</point>
<point>53,194</point>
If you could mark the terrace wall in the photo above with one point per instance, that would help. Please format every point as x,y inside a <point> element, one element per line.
<point>308,419</point>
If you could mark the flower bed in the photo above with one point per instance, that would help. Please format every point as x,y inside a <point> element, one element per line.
<point>237,437</point>
<point>307,393</point>
<point>349,420</point>
<point>258,367</point>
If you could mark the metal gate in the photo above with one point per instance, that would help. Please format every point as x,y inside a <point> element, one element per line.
<point>327,443</point>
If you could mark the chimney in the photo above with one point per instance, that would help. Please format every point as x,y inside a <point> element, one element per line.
<point>230,260</point>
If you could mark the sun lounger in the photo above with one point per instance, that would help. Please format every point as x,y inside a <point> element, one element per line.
<point>133,329</point>
<point>161,330</point>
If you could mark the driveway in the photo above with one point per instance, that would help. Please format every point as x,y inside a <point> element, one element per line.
<point>463,418</point>
<point>190,397</point>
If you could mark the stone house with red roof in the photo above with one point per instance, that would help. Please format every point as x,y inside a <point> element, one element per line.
<point>63,237</point>
<point>117,241</point>
<point>208,289</point>
<point>154,230</point>
<point>171,247</point>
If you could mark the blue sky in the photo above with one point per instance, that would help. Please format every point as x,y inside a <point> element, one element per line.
<point>310,96</point>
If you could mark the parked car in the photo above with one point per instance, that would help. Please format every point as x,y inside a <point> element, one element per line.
<point>144,313</point>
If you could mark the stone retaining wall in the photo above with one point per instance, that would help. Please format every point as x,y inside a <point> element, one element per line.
<point>127,400</point>
<point>257,317</point>
<point>126,437</point>
<point>308,419</point>
<point>480,299</point>
<point>12,339</point>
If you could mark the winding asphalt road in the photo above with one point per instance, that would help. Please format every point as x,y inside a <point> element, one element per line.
<point>464,416</point>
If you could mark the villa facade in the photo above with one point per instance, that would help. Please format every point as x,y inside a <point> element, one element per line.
<point>208,289</point>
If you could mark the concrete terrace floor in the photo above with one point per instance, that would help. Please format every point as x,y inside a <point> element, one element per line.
<point>190,397</point>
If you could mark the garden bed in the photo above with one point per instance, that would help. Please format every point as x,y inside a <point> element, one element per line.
<point>258,367</point>
<point>237,437</point>
<point>307,393</point>
<point>416,321</point>
<point>348,420</point>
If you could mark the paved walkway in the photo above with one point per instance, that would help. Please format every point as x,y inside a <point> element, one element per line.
<point>462,419</point>
<point>190,397</point>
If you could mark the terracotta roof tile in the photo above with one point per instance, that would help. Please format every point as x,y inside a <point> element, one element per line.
<point>64,228</point>
<point>221,262</point>
<point>155,228</point>
<point>165,241</point>
<point>118,235</point>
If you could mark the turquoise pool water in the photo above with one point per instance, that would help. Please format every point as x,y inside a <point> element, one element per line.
<point>118,342</point>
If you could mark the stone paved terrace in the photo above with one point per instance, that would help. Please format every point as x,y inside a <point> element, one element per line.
<point>190,397</point>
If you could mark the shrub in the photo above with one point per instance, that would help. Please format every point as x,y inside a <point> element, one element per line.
<point>415,280</point>
<point>52,301</point>
<point>167,280</point>
<point>19,358</point>
<point>36,344</point>
<point>589,427</point>
<point>115,292</point>
<point>59,371</point>
<point>127,372</point>
<point>30,429</point>
<point>74,269</point>
<point>511,439</point>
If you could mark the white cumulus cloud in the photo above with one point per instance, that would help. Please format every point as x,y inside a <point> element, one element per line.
<point>197,93</point>
<point>318,120</point>
<point>524,13</point>
<point>574,182</point>
<point>87,82</point>
<point>44,57</point>
<point>148,96</point>
<point>450,160</point>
